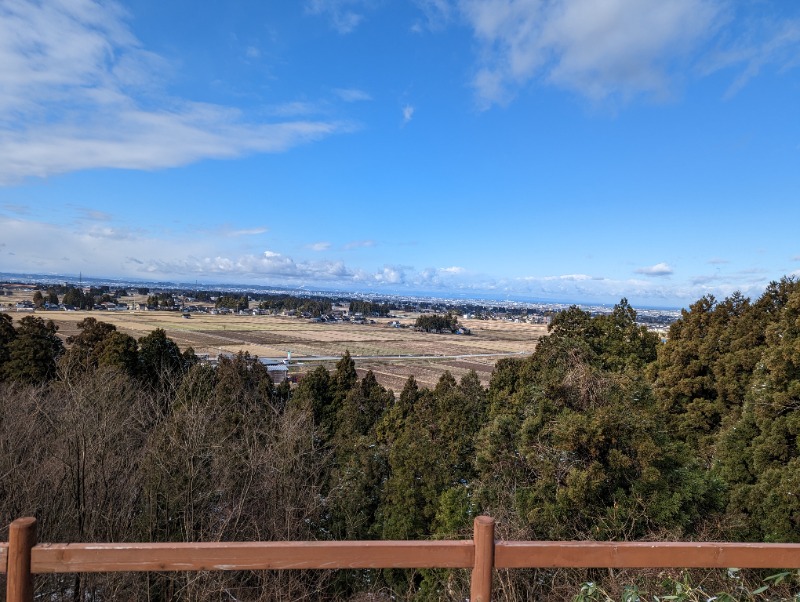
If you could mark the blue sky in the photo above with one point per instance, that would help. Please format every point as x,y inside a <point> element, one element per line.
<point>579,150</point>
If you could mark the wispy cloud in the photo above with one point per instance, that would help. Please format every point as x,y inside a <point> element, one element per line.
<point>228,231</point>
<point>718,261</point>
<point>598,49</point>
<point>94,215</point>
<point>659,269</point>
<point>352,94</point>
<point>15,208</point>
<point>765,42</point>
<point>359,244</point>
<point>344,15</point>
<point>293,109</point>
<point>79,91</point>
<point>408,114</point>
<point>319,246</point>
<point>247,232</point>
<point>436,14</point>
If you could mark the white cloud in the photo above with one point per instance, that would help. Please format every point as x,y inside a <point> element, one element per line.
<point>569,277</point>
<point>106,249</point>
<point>660,269</point>
<point>93,215</point>
<point>293,109</point>
<point>408,113</point>
<point>352,94</point>
<point>345,15</point>
<point>359,244</point>
<point>78,91</point>
<point>583,288</point>
<point>598,48</point>
<point>765,42</point>
<point>391,275</point>
<point>320,246</point>
<point>437,13</point>
<point>246,232</point>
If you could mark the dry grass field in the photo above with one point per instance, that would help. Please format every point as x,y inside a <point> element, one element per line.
<point>274,336</point>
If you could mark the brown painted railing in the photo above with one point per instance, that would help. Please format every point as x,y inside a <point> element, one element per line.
<point>21,558</point>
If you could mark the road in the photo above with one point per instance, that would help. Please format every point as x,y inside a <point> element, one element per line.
<point>361,358</point>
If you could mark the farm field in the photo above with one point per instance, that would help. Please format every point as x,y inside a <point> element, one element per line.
<point>275,336</point>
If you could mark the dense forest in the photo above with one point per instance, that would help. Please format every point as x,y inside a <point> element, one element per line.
<point>605,433</point>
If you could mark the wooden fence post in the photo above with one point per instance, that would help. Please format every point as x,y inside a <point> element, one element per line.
<point>19,580</point>
<point>481,586</point>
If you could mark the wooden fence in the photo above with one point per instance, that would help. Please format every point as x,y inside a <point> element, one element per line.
<point>22,557</point>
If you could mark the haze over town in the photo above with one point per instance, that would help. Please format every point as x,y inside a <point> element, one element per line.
<point>564,150</point>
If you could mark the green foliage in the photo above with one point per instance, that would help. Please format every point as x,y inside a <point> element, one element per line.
<point>359,464</point>
<point>437,322</point>
<point>707,368</point>
<point>612,342</point>
<point>75,297</point>
<point>119,351</point>
<point>160,360</point>
<point>759,455</point>
<point>370,308</point>
<point>575,447</point>
<point>344,379</point>
<point>33,352</point>
<point>315,394</point>
<point>602,433</point>
<point>234,303</point>
<point>7,335</point>
<point>86,345</point>
<point>316,306</point>
<point>432,452</point>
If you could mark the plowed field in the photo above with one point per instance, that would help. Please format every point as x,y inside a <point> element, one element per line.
<point>274,336</point>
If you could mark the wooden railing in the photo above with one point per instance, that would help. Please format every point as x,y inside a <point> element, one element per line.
<point>21,557</point>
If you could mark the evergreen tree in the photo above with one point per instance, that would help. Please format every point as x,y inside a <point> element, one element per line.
<point>120,351</point>
<point>758,453</point>
<point>315,393</point>
<point>7,335</point>
<point>160,360</point>
<point>84,346</point>
<point>359,463</point>
<point>33,352</point>
<point>432,453</point>
<point>579,450</point>
<point>75,297</point>
<point>705,370</point>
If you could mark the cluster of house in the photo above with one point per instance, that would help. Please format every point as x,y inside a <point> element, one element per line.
<point>517,319</point>
<point>343,316</point>
<point>108,306</point>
